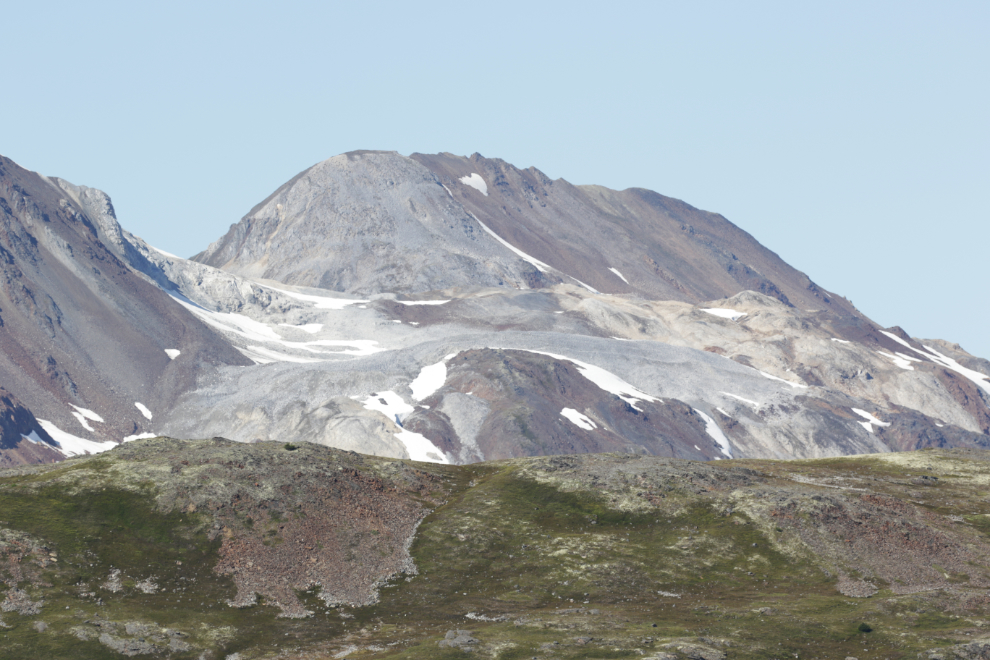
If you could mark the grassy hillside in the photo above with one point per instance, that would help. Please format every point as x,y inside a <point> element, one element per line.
<point>208,549</point>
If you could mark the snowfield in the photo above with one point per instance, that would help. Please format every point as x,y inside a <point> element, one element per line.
<point>730,314</point>
<point>620,275</point>
<point>72,445</point>
<point>581,421</point>
<point>429,380</point>
<point>713,430</point>
<point>475,181</point>
<point>607,381</point>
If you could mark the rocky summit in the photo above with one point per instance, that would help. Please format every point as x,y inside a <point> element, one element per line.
<point>438,406</point>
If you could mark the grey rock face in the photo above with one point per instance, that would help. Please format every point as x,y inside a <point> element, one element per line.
<point>22,439</point>
<point>83,335</point>
<point>367,222</point>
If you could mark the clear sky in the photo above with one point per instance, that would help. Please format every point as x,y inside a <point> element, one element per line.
<point>852,138</point>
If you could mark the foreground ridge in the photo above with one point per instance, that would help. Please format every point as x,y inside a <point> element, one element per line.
<point>212,548</point>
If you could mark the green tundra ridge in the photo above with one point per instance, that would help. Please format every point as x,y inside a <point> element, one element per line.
<point>216,549</point>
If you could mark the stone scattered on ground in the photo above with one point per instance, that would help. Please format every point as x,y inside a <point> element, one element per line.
<point>459,639</point>
<point>18,601</point>
<point>147,586</point>
<point>113,583</point>
<point>855,588</point>
<point>975,650</point>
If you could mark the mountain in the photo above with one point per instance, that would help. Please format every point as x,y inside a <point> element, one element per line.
<point>533,278</point>
<point>367,222</point>
<point>80,330</point>
<point>454,310</point>
<point>217,549</point>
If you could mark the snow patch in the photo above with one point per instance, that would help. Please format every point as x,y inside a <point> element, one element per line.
<point>255,331</point>
<point>723,412</point>
<point>320,302</point>
<point>422,302</point>
<point>980,379</point>
<point>139,436</point>
<point>311,328</point>
<point>841,341</point>
<point>606,380</point>
<point>172,353</point>
<point>420,448</point>
<point>870,420</point>
<point>85,424</point>
<point>739,398</point>
<point>581,421</point>
<point>392,406</point>
<point>620,275</point>
<point>898,340</point>
<point>900,362</point>
<point>712,429</point>
<point>357,347</point>
<point>72,445</point>
<point>389,404</point>
<point>475,181</point>
<point>540,266</point>
<point>167,254</point>
<point>144,409</point>
<point>82,415</point>
<point>589,288</point>
<point>88,414</point>
<point>262,355</point>
<point>237,324</point>
<point>794,385</point>
<point>430,379</point>
<point>730,314</point>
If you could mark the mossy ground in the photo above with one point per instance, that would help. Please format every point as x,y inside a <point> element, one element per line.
<point>530,568</point>
<point>514,547</point>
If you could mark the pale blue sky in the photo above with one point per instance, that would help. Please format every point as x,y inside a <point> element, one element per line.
<point>850,137</point>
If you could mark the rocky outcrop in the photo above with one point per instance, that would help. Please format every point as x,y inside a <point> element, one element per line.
<point>22,439</point>
<point>82,334</point>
